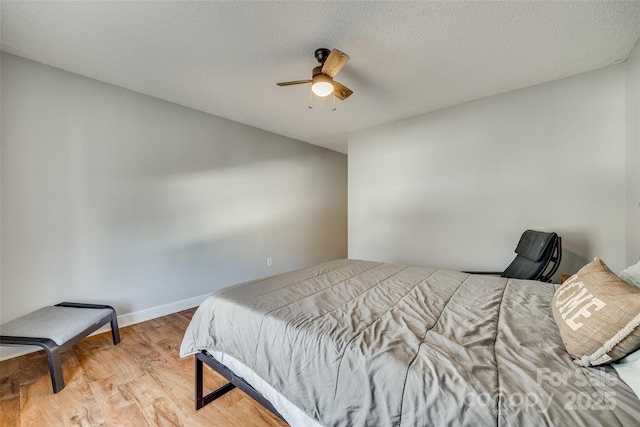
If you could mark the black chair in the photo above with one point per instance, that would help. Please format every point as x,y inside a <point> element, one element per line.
<point>538,256</point>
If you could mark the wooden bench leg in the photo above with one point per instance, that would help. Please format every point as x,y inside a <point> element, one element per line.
<point>55,368</point>
<point>115,331</point>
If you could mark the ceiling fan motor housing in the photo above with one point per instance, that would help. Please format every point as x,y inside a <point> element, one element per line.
<point>322,54</point>
<point>316,71</point>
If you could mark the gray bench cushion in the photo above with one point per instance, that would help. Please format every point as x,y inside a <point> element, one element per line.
<point>59,324</point>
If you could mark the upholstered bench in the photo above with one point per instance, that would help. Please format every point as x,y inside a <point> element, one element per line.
<point>56,328</point>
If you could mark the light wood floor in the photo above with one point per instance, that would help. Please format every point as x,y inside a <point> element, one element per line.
<point>140,382</point>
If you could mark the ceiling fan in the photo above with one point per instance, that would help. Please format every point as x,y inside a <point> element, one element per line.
<point>322,83</point>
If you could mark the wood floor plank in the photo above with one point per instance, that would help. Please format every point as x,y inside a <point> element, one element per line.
<point>10,411</point>
<point>140,382</point>
<point>9,378</point>
<point>39,406</point>
<point>100,358</point>
<point>85,410</point>
<point>153,401</point>
<point>117,405</point>
<point>181,320</point>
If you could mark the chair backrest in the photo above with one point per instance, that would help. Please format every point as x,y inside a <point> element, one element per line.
<point>538,256</point>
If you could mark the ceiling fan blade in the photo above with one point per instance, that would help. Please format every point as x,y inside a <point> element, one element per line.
<point>341,91</point>
<point>334,63</point>
<point>296,82</point>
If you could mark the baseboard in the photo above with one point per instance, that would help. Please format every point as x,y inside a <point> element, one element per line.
<point>123,320</point>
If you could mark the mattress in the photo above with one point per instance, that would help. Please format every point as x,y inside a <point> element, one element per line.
<point>353,343</point>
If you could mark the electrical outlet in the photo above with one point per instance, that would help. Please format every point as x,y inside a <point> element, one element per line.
<point>269,262</point>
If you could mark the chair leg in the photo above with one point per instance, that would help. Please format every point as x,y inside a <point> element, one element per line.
<point>55,368</point>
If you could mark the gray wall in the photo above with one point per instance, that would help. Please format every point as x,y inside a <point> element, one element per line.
<point>633,155</point>
<point>116,197</point>
<point>455,188</point>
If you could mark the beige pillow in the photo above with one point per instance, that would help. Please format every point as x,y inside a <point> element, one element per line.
<point>598,315</point>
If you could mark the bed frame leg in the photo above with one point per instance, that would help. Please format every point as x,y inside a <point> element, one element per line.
<point>205,400</point>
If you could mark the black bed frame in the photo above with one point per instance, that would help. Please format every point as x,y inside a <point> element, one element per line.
<point>234,381</point>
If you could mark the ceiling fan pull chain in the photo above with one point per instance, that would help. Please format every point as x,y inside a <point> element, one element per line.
<point>310,99</point>
<point>334,102</point>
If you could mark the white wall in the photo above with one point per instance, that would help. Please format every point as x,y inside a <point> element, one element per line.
<point>456,188</point>
<point>633,155</point>
<point>116,197</point>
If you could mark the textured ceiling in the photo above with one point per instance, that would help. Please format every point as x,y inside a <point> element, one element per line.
<point>407,58</point>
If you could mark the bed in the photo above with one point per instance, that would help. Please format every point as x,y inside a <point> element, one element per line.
<point>361,343</point>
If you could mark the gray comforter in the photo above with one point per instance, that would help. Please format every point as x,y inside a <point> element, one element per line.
<point>358,343</point>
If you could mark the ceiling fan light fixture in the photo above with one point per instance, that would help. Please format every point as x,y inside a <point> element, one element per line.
<point>322,85</point>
